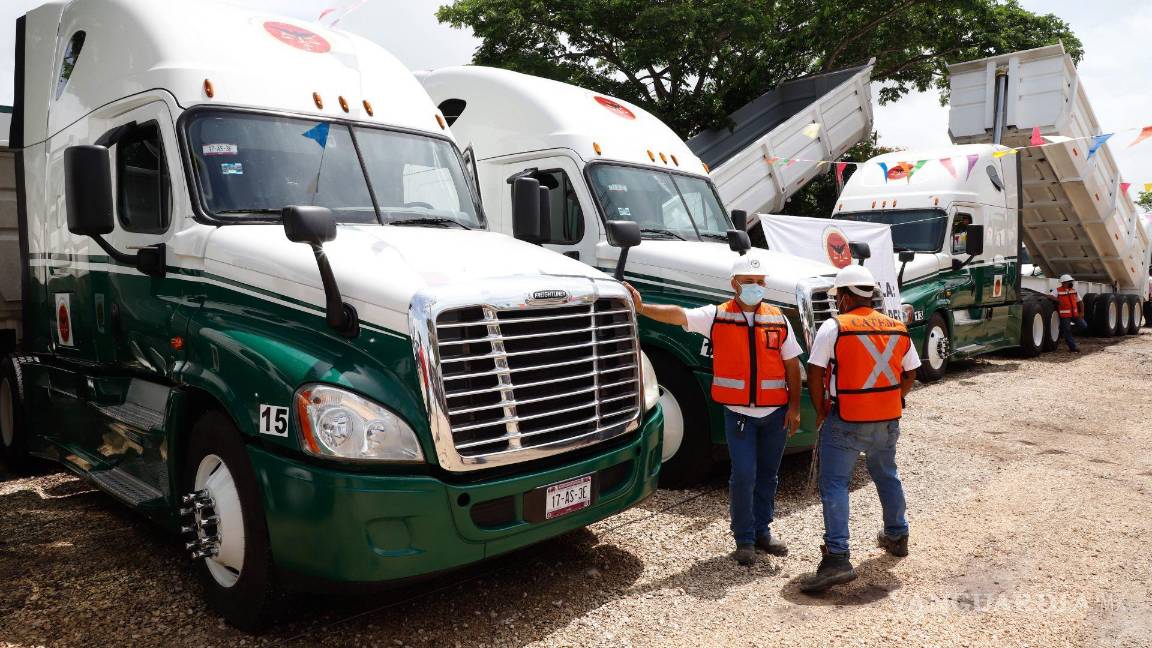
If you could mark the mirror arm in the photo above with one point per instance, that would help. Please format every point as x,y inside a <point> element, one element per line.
<point>339,315</point>
<point>620,263</point>
<point>961,265</point>
<point>121,257</point>
<point>900,275</point>
<point>144,260</point>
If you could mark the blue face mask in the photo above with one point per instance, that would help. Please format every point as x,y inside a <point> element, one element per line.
<point>751,294</point>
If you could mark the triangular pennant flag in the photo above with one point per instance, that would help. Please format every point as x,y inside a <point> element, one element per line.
<point>1147,187</point>
<point>840,166</point>
<point>884,170</point>
<point>915,168</point>
<point>972,160</point>
<point>790,163</point>
<point>771,160</point>
<point>1145,133</point>
<point>947,164</point>
<point>1124,187</point>
<point>812,130</point>
<point>1036,140</point>
<point>1000,154</point>
<point>1097,142</point>
<point>318,133</point>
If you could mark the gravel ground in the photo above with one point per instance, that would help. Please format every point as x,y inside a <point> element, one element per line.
<point>1027,482</point>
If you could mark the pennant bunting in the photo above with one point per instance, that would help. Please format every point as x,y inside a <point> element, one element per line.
<point>771,160</point>
<point>1036,140</point>
<point>790,163</point>
<point>915,168</point>
<point>1124,187</point>
<point>1147,187</point>
<point>318,133</point>
<point>840,166</point>
<point>1000,154</point>
<point>972,160</point>
<point>812,130</point>
<point>1145,133</point>
<point>1097,142</point>
<point>884,170</point>
<point>947,164</point>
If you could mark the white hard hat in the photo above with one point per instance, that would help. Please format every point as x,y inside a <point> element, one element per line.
<point>1065,278</point>
<point>855,278</point>
<point>749,265</point>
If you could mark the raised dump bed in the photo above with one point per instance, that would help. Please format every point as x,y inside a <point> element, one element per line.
<point>779,125</point>
<point>1074,217</point>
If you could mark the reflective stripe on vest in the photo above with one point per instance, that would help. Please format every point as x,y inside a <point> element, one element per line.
<point>869,352</point>
<point>743,357</point>
<point>1069,302</point>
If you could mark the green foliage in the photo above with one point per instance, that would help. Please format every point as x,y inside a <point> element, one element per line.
<point>818,197</point>
<point>1145,201</point>
<point>692,62</point>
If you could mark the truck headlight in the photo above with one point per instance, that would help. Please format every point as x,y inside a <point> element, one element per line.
<point>907,313</point>
<point>337,423</point>
<point>648,381</point>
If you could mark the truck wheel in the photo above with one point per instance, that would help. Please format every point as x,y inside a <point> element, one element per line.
<point>685,417</point>
<point>13,416</point>
<point>1104,316</point>
<point>1090,309</point>
<point>238,576</point>
<point>1135,315</point>
<point>1051,325</point>
<point>1124,308</point>
<point>1032,331</point>
<point>1148,313</point>
<point>937,348</point>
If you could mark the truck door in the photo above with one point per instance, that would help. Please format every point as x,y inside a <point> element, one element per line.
<point>968,314</point>
<point>572,226</point>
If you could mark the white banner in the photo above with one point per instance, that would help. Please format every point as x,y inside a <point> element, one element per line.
<point>826,240</point>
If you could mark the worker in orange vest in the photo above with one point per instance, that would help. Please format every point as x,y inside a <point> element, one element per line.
<point>1071,310</point>
<point>866,363</point>
<point>756,376</point>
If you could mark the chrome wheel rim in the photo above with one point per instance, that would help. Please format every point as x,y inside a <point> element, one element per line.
<point>213,476</point>
<point>1054,326</point>
<point>1125,315</point>
<point>937,347</point>
<point>1112,316</point>
<point>673,424</point>
<point>1038,329</point>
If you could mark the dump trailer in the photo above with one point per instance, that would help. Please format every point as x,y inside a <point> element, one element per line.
<point>808,119</point>
<point>259,305</point>
<point>968,219</point>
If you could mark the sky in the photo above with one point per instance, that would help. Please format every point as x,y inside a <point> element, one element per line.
<point>1116,70</point>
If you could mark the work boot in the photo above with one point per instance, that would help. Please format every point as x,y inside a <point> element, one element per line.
<point>834,569</point>
<point>896,546</point>
<point>771,544</point>
<point>745,554</point>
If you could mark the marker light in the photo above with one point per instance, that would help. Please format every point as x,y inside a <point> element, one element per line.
<point>674,160</point>
<point>440,120</point>
<point>651,155</point>
<point>706,167</point>
<point>596,147</point>
<point>367,107</point>
<point>664,158</point>
<point>935,202</point>
<point>873,204</point>
<point>343,104</point>
<point>318,101</point>
<point>893,204</point>
<point>209,91</point>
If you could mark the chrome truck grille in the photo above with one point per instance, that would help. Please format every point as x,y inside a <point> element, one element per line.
<point>816,306</point>
<point>514,380</point>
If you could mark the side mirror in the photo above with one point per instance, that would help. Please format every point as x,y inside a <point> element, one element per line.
<point>738,241</point>
<point>740,219</point>
<point>526,210</point>
<point>860,251</point>
<point>624,235</point>
<point>88,190</point>
<point>974,244</point>
<point>545,214</point>
<point>308,224</point>
<point>907,256</point>
<point>315,226</point>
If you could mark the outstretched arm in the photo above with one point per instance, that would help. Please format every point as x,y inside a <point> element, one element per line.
<point>666,313</point>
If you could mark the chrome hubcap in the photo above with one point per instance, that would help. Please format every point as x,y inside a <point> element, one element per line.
<point>937,347</point>
<point>213,476</point>
<point>1038,329</point>
<point>1054,326</point>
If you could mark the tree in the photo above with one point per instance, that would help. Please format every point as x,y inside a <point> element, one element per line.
<point>1145,201</point>
<point>819,196</point>
<point>692,62</point>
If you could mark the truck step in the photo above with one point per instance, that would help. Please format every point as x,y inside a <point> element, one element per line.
<point>136,415</point>
<point>124,486</point>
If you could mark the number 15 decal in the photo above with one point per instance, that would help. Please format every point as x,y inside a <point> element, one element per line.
<point>274,420</point>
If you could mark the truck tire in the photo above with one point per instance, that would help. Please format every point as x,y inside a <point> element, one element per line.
<point>1033,330</point>
<point>691,463</point>
<point>239,582</point>
<point>937,349</point>
<point>1104,316</point>
<point>13,416</point>
<point>1148,313</point>
<point>1134,309</point>
<point>1124,315</point>
<point>1089,300</point>
<point>1051,325</point>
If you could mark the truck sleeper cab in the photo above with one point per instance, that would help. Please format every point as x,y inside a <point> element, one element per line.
<point>605,159</point>
<point>260,306</point>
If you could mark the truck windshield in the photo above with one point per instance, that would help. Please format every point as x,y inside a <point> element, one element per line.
<point>251,165</point>
<point>665,205</point>
<point>918,230</point>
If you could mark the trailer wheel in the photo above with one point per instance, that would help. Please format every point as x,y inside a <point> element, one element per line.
<point>685,416</point>
<point>937,349</point>
<point>238,578</point>
<point>1032,330</point>
<point>1134,314</point>
<point>1051,325</point>
<point>1105,316</point>
<point>13,416</point>
<point>1148,313</point>
<point>1089,300</point>
<point>1124,310</point>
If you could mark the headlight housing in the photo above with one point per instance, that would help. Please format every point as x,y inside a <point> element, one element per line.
<point>907,313</point>
<point>336,423</point>
<point>648,382</point>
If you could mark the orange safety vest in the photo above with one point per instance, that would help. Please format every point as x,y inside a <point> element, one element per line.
<point>743,357</point>
<point>1069,302</point>
<point>868,355</point>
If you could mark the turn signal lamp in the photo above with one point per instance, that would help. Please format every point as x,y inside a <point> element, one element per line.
<point>596,147</point>
<point>440,120</point>
<point>367,107</point>
<point>317,100</point>
<point>209,91</point>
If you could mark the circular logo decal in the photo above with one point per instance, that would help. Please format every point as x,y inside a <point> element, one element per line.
<point>63,324</point>
<point>298,37</point>
<point>754,264</point>
<point>615,107</point>
<point>836,247</point>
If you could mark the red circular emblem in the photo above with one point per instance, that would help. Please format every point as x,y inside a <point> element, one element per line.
<point>615,107</point>
<point>62,324</point>
<point>298,37</point>
<point>836,246</point>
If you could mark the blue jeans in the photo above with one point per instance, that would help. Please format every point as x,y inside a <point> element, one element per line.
<point>840,444</point>
<point>756,451</point>
<point>1066,324</point>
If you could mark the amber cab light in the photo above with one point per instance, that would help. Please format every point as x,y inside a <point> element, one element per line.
<point>209,91</point>
<point>317,100</point>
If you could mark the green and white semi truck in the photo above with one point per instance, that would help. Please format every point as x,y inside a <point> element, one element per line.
<point>252,296</point>
<point>982,231</point>
<point>605,159</point>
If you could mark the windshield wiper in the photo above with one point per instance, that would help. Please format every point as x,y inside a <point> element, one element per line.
<point>665,232</point>
<point>714,235</point>
<point>261,210</point>
<point>430,220</point>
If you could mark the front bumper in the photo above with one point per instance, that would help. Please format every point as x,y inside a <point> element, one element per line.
<point>333,525</point>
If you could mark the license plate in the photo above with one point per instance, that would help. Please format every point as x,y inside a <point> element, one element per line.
<point>566,497</point>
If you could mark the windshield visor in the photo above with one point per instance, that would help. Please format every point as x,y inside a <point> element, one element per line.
<point>253,165</point>
<point>664,205</point>
<point>918,230</point>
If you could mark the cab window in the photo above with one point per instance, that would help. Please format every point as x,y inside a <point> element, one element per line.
<point>565,217</point>
<point>960,233</point>
<point>143,189</point>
